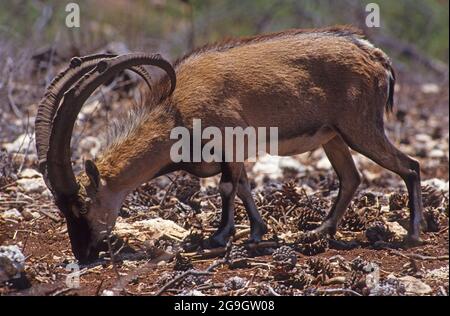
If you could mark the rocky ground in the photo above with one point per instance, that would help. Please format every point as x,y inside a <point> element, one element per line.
<point>157,242</point>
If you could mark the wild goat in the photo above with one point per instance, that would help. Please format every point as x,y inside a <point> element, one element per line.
<point>323,87</point>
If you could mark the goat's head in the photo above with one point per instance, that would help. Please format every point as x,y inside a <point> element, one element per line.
<point>88,205</point>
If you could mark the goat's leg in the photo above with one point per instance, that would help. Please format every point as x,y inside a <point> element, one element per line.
<point>228,186</point>
<point>341,159</point>
<point>257,226</point>
<point>375,145</point>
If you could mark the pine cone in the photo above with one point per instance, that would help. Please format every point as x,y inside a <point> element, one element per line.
<point>378,231</point>
<point>285,256</point>
<point>238,257</point>
<point>299,280</point>
<point>186,188</point>
<point>358,264</point>
<point>187,282</point>
<point>311,244</point>
<point>193,280</point>
<point>353,221</point>
<point>433,219</point>
<point>283,289</point>
<point>182,263</point>
<point>367,200</point>
<point>356,282</point>
<point>397,201</point>
<point>320,267</point>
<point>309,219</point>
<point>193,241</point>
<point>431,196</point>
<point>289,191</point>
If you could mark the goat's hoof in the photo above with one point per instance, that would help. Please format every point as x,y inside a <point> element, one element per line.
<point>413,241</point>
<point>254,240</point>
<point>214,242</point>
<point>326,229</point>
<point>257,233</point>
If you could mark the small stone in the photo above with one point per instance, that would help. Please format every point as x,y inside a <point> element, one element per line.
<point>235,283</point>
<point>33,185</point>
<point>12,262</point>
<point>323,164</point>
<point>423,138</point>
<point>437,154</point>
<point>397,229</point>
<point>107,293</point>
<point>430,88</point>
<point>29,173</point>
<point>191,293</point>
<point>415,286</point>
<point>27,215</point>
<point>13,214</point>
<point>23,144</point>
<point>90,145</point>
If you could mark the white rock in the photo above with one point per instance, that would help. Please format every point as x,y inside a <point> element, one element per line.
<point>150,229</point>
<point>430,88</point>
<point>12,262</point>
<point>323,164</point>
<point>33,185</point>
<point>107,293</point>
<point>268,166</point>
<point>291,164</point>
<point>272,167</point>
<point>12,214</point>
<point>415,286</point>
<point>436,154</point>
<point>441,273</point>
<point>191,293</point>
<point>90,144</point>
<point>397,229</point>
<point>424,138</point>
<point>23,144</point>
<point>29,173</point>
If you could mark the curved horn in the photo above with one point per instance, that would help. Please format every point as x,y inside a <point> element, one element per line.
<point>60,173</point>
<point>79,66</point>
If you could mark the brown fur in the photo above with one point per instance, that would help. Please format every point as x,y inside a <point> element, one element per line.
<point>298,80</point>
<point>325,87</point>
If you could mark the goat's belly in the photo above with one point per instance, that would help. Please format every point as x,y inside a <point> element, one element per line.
<point>304,143</point>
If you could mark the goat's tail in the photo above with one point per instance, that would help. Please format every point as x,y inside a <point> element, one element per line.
<point>391,91</point>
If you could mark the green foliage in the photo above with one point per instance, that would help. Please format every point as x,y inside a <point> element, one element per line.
<point>142,23</point>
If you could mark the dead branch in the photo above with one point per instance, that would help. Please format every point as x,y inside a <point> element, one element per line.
<point>49,215</point>
<point>123,281</point>
<point>216,252</point>
<point>339,291</point>
<point>177,279</point>
<point>416,256</point>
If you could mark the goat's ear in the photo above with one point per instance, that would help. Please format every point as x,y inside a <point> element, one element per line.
<point>92,172</point>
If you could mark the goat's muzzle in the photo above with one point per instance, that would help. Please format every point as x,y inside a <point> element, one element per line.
<point>80,240</point>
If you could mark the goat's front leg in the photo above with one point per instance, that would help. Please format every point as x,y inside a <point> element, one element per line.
<point>228,186</point>
<point>257,226</point>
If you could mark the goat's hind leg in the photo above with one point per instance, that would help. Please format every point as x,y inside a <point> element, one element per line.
<point>341,159</point>
<point>373,143</point>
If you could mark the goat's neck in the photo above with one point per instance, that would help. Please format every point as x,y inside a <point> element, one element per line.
<point>140,156</point>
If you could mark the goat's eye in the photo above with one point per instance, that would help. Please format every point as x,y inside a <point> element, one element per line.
<point>84,207</point>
